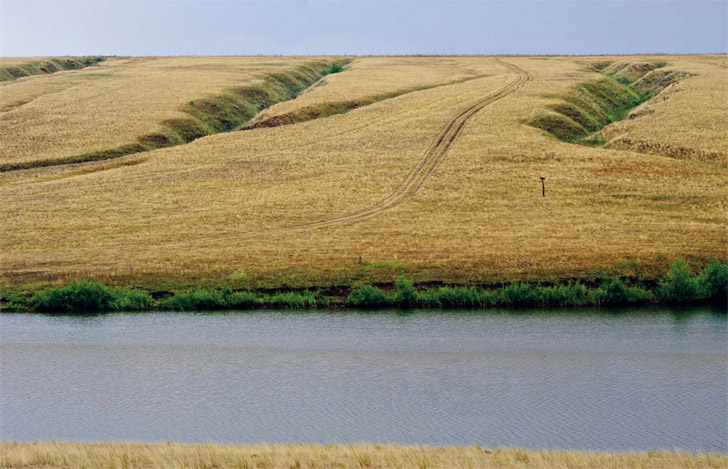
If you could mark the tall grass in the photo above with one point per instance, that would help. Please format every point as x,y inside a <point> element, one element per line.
<point>210,299</point>
<point>679,286</point>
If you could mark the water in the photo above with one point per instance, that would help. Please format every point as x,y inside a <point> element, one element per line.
<point>641,379</point>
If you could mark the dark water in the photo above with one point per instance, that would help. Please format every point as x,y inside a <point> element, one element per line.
<point>642,379</point>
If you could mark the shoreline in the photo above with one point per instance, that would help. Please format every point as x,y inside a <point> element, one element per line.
<point>679,286</point>
<point>275,456</point>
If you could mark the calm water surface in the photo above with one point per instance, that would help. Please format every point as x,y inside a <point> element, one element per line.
<point>639,379</point>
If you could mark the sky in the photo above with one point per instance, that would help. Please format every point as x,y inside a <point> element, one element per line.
<point>184,27</point>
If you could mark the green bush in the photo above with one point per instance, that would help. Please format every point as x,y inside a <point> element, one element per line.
<point>76,297</point>
<point>616,292</point>
<point>714,282</point>
<point>368,297</point>
<point>405,294</point>
<point>679,285</point>
<point>335,68</point>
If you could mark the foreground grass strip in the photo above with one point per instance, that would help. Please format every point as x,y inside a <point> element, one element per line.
<point>210,115</point>
<point>11,72</point>
<point>175,455</point>
<point>679,286</point>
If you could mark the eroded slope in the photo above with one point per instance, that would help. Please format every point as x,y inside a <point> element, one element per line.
<point>125,104</point>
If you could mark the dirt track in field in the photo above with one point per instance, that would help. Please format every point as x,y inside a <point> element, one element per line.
<point>432,157</point>
<point>414,181</point>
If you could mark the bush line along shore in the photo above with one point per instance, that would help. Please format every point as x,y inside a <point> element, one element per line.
<point>679,286</point>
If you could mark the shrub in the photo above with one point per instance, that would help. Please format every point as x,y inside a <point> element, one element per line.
<point>76,297</point>
<point>368,297</point>
<point>335,68</point>
<point>405,294</point>
<point>679,285</point>
<point>714,282</point>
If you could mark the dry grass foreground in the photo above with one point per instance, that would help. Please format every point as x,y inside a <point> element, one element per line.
<point>251,208</point>
<point>174,455</point>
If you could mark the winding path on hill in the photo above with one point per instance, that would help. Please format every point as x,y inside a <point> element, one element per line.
<point>426,166</point>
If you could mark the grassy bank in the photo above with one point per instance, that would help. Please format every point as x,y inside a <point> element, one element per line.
<point>175,455</point>
<point>208,115</point>
<point>589,107</point>
<point>13,71</point>
<point>679,286</point>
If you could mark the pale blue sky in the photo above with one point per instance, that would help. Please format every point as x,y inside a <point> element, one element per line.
<point>124,27</point>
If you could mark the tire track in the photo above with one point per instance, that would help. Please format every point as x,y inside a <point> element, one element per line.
<point>426,166</point>
<point>414,181</point>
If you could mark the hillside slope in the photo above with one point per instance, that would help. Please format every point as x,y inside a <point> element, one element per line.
<point>250,207</point>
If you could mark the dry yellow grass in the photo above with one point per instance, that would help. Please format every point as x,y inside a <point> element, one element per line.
<point>109,105</point>
<point>174,455</point>
<point>377,76</point>
<point>238,206</point>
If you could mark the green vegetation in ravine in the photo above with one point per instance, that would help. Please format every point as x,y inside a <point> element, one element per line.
<point>679,286</point>
<point>210,115</point>
<point>51,65</point>
<point>335,68</point>
<point>590,106</point>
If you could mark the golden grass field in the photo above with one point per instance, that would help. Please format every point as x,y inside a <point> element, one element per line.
<point>174,455</point>
<point>441,183</point>
<point>113,103</point>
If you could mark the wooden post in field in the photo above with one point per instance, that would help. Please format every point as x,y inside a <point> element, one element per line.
<point>543,186</point>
